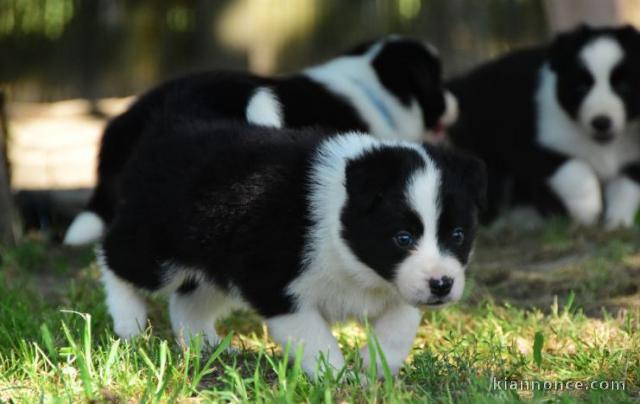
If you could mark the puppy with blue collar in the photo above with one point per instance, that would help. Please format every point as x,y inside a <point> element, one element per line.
<point>391,88</point>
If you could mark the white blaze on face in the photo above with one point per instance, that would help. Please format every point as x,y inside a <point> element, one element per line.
<point>427,261</point>
<point>600,57</point>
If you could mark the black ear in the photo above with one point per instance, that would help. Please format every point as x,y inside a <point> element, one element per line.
<point>362,188</point>
<point>630,31</point>
<point>468,172</point>
<point>563,44</point>
<point>476,173</point>
<point>378,172</point>
<point>630,37</point>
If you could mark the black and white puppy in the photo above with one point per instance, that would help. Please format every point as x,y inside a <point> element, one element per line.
<point>305,228</point>
<point>558,126</point>
<point>391,88</point>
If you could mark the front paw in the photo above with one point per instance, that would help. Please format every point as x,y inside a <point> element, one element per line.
<point>392,367</point>
<point>622,200</point>
<point>577,186</point>
<point>617,219</point>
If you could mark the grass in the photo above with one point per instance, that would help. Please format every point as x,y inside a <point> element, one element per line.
<point>554,304</point>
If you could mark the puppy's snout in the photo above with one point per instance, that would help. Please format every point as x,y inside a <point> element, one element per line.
<point>440,287</point>
<point>602,123</point>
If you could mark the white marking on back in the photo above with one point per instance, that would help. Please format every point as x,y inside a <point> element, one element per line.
<point>558,131</point>
<point>264,108</point>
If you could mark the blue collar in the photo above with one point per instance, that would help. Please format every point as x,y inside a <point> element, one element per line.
<point>376,101</point>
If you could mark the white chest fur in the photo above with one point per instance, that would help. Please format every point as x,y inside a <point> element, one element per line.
<point>558,132</point>
<point>339,295</point>
<point>340,299</point>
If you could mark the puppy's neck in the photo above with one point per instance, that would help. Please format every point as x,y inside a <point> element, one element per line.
<point>354,78</point>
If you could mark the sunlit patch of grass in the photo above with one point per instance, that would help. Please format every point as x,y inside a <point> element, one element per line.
<point>60,346</point>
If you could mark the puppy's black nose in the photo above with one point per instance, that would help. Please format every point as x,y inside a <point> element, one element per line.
<point>601,123</point>
<point>440,287</point>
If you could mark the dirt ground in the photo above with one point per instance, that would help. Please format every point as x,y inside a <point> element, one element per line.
<point>594,269</point>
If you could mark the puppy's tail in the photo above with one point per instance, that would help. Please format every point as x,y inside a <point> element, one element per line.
<point>88,227</point>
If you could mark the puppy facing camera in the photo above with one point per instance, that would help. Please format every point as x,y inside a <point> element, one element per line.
<point>307,228</point>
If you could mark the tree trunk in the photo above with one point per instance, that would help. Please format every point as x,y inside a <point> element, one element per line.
<point>7,228</point>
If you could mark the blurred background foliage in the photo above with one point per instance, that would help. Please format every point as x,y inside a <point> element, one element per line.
<point>59,49</point>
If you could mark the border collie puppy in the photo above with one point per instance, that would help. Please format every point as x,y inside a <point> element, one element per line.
<point>305,228</point>
<point>558,126</point>
<point>391,88</point>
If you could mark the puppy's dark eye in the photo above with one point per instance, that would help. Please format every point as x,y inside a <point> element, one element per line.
<point>619,82</point>
<point>583,83</point>
<point>404,239</point>
<point>457,235</point>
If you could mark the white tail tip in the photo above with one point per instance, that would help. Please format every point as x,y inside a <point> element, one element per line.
<point>85,229</point>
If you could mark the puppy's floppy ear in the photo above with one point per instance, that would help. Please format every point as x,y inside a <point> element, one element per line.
<point>364,177</point>
<point>476,174</point>
<point>463,169</point>
<point>371,176</point>
<point>562,45</point>
<point>629,35</point>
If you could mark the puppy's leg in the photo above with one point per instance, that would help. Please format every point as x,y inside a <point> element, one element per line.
<point>195,311</point>
<point>622,198</point>
<point>396,330</point>
<point>126,306</point>
<point>577,186</point>
<point>309,330</point>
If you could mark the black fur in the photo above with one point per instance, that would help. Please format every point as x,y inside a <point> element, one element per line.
<point>404,65</point>
<point>409,72</point>
<point>498,114</point>
<point>225,201</point>
<point>463,191</point>
<point>232,202</point>
<point>574,80</point>
<point>377,207</point>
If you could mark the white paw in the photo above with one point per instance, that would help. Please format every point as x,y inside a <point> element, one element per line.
<point>185,336</point>
<point>622,196</point>
<point>615,219</point>
<point>393,364</point>
<point>578,187</point>
<point>127,329</point>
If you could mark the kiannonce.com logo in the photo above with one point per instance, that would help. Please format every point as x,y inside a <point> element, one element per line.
<point>559,385</point>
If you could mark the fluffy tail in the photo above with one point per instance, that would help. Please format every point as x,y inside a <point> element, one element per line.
<point>85,229</point>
